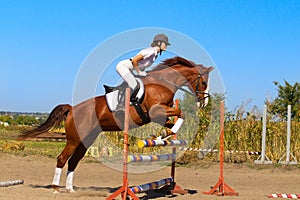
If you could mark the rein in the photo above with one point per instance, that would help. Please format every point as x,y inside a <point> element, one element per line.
<point>207,95</point>
<point>171,83</point>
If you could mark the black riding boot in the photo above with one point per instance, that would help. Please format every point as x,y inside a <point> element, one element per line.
<point>134,92</point>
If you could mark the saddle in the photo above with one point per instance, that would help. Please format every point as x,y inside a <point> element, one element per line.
<point>120,89</point>
<point>109,89</point>
<point>115,98</point>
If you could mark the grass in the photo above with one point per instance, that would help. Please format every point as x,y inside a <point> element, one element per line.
<point>8,134</point>
<point>10,144</point>
<point>47,149</point>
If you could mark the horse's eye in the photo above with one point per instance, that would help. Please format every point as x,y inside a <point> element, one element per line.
<point>204,83</point>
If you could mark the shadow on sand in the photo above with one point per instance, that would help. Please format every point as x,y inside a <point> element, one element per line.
<point>106,191</point>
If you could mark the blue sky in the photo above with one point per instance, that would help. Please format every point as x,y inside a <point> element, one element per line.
<point>44,43</point>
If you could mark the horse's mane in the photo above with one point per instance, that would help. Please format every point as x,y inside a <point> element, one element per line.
<point>174,61</point>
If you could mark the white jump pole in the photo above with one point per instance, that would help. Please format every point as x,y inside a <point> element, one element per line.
<point>263,141</point>
<point>10,183</point>
<point>288,141</point>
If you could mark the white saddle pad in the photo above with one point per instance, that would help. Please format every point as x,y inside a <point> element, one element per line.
<point>112,98</point>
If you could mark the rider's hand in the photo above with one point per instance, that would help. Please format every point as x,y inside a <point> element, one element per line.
<point>142,73</point>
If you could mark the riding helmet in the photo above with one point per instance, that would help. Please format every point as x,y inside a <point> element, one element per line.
<point>161,38</point>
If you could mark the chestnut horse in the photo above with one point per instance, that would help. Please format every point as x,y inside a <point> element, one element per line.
<point>84,122</point>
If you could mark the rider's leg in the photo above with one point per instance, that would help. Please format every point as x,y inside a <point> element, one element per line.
<point>124,69</point>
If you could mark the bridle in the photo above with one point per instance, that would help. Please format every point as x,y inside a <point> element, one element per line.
<point>197,90</point>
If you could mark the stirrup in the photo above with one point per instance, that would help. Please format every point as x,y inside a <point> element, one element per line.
<point>133,99</point>
<point>120,107</point>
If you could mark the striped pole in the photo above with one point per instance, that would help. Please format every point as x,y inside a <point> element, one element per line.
<point>197,149</point>
<point>216,150</point>
<point>150,186</point>
<point>153,143</point>
<point>150,158</point>
<point>10,183</point>
<point>285,196</point>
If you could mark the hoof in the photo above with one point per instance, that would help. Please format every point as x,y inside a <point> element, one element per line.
<point>56,189</point>
<point>56,192</point>
<point>159,138</point>
<point>167,135</point>
<point>152,137</point>
<point>71,190</point>
<point>167,138</point>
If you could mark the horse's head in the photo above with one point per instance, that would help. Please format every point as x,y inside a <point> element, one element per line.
<point>180,72</point>
<point>199,84</point>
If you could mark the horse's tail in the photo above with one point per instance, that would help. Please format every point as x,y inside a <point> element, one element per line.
<point>57,115</point>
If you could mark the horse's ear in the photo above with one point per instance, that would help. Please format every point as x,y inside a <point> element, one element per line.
<point>210,69</point>
<point>206,70</point>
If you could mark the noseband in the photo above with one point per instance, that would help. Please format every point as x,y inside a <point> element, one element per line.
<point>197,91</point>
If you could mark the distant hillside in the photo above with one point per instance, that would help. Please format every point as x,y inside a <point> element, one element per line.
<point>8,118</point>
<point>35,114</point>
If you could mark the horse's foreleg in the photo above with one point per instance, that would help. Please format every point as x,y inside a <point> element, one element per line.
<point>169,123</point>
<point>163,111</point>
<point>177,125</point>
<point>173,128</point>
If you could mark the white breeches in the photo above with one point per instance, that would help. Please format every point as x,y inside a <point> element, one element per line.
<point>124,68</point>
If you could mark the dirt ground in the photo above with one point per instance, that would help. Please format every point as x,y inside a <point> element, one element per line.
<point>96,181</point>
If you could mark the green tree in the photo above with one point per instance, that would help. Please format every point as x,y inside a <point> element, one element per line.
<point>199,120</point>
<point>189,106</point>
<point>6,118</point>
<point>288,94</point>
<point>25,120</point>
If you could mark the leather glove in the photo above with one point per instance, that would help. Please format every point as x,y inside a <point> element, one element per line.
<point>142,73</point>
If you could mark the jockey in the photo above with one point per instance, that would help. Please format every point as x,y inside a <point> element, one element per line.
<point>140,62</point>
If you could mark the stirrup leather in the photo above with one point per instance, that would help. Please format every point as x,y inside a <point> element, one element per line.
<point>134,92</point>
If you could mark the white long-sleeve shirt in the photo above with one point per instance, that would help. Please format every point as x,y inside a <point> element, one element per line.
<point>149,57</point>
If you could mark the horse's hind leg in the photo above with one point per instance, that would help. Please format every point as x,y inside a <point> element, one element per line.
<point>72,164</point>
<point>78,155</point>
<point>61,161</point>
